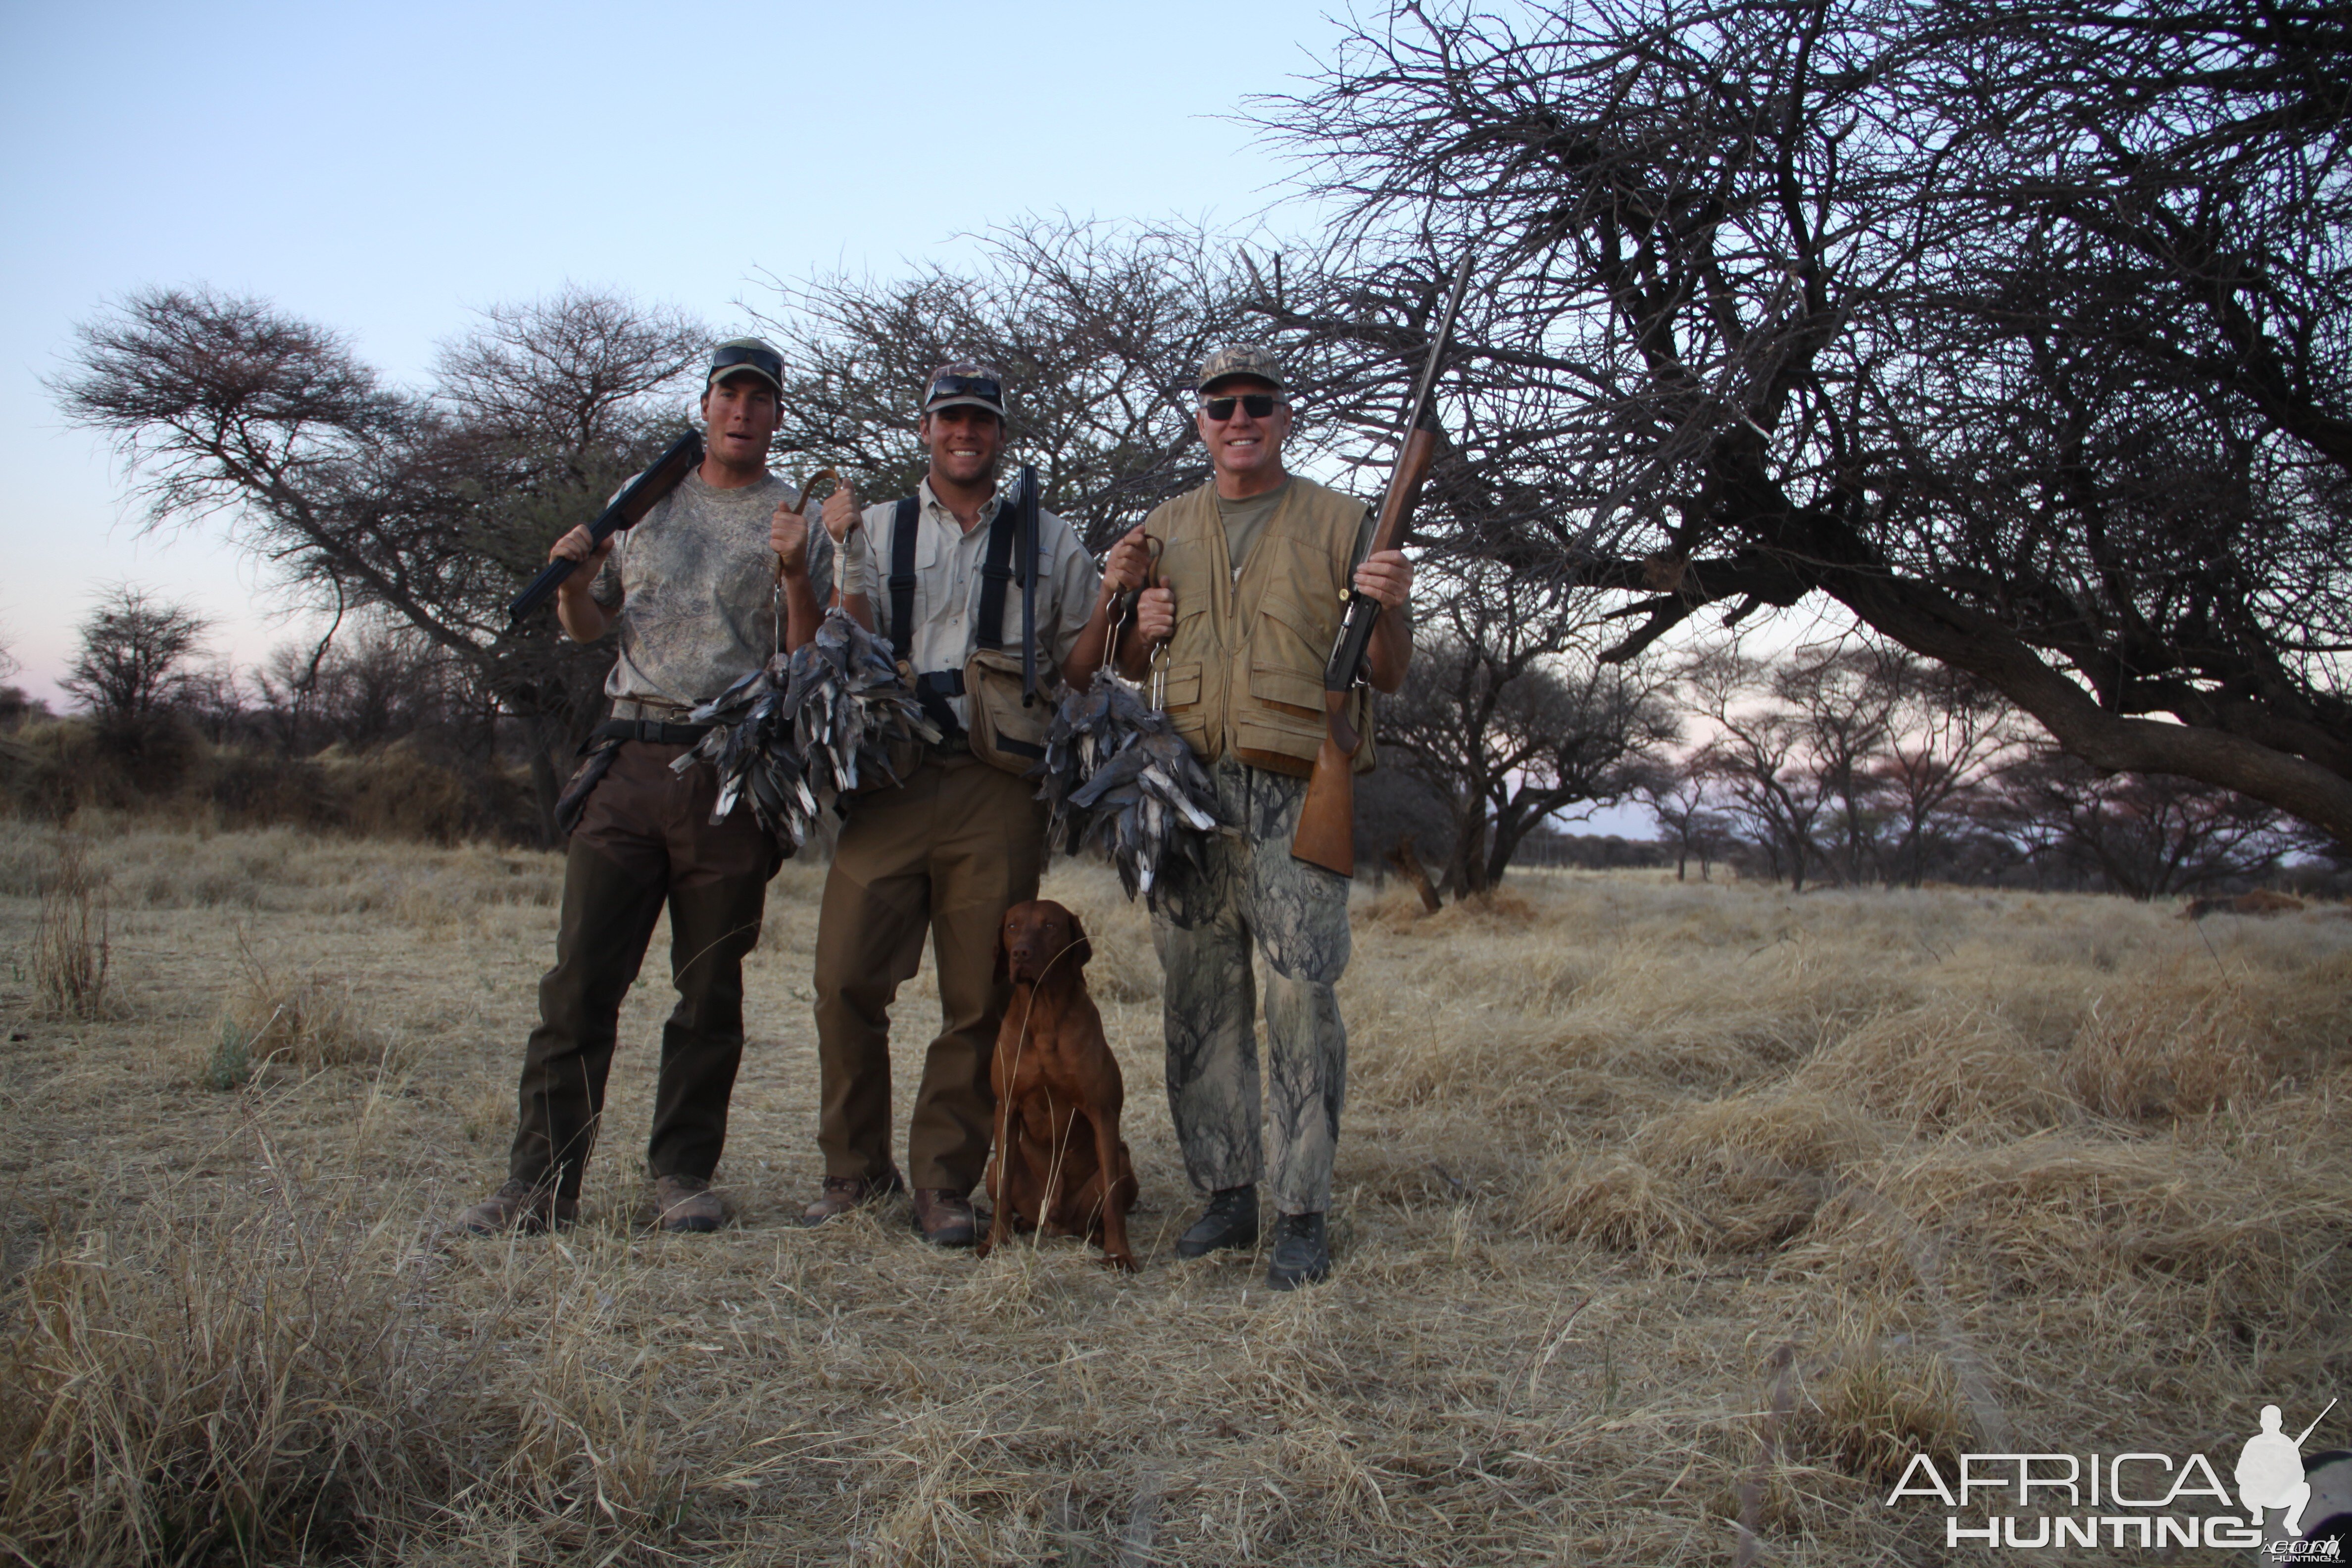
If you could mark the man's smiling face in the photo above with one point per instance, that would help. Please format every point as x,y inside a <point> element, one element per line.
<point>739,417</point>
<point>964,443</point>
<point>1244,446</point>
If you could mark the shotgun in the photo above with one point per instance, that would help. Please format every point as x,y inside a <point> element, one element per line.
<point>1026,543</point>
<point>1326,835</point>
<point>628,510</point>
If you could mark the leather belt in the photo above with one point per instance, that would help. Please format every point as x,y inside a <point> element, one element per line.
<point>652,731</point>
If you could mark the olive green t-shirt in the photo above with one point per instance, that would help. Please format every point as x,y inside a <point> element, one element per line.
<point>1244,520</point>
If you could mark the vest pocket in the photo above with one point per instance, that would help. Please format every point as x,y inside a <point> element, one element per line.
<point>1182,702</point>
<point>1184,686</point>
<point>1286,666</point>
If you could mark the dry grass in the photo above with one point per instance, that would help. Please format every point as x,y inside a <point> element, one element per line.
<point>1665,1212</point>
<point>71,951</point>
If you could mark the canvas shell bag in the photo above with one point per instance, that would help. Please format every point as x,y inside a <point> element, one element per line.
<point>1004,731</point>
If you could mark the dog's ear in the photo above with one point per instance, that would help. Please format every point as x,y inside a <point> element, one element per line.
<point>1003,972</point>
<point>1083,949</point>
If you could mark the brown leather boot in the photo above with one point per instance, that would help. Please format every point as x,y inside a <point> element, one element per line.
<point>843,1194</point>
<point>520,1206</point>
<point>945,1217</point>
<point>686,1203</point>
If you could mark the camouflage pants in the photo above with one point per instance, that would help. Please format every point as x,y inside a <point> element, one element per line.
<point>1297,915</point>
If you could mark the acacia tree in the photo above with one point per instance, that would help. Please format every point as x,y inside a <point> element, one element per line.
<point>1949,736</point>
<point>134,652</point>
<point>1757,757</point>
<point>2146,838</point>
<point>429,509</point>
<point>1507,725</point>
<point>1682,799</point>
<point>2024,333</point>
<point>1099,330</point>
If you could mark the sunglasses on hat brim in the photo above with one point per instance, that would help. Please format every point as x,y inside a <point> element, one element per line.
<point>760,360</point>
<point>982,386</point>
<point>1259,405</point>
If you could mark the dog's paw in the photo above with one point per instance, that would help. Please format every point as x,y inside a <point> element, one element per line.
<point>1124,1261</point>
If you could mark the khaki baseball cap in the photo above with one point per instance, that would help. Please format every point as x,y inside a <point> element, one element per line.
<point>746,356</point>
<point>968,381</point>
<point>1251,359</point>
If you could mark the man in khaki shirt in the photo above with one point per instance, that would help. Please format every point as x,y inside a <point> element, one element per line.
<point>961,841</point>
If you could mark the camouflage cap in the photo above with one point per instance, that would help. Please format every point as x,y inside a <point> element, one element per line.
<point>1241,359</point>
<point>967,382</point>
<point>746,356</point>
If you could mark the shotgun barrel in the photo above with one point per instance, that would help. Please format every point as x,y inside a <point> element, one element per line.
<point>1326,835</point>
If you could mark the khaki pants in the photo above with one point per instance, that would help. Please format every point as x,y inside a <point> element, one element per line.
<point>1254,893</point>
<point>949,851</point>
<point>645,839</point>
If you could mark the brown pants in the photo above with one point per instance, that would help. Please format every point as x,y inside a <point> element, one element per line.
<point>646,839</point>
<point>953,848</point>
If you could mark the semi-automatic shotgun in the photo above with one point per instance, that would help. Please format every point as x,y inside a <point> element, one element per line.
<point>1326,835</point>
<point>627,510</point>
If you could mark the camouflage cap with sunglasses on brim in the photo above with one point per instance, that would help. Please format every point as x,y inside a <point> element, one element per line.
<point>967,383</point>
<point>1236,359</point>
<point>746,356</point>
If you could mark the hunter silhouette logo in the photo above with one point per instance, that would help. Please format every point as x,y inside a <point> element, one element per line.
<point>2270,1471</point>
<point>2291,1511</point>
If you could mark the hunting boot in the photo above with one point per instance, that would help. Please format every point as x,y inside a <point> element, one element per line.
<point>1301,1254</point>
<point>945,1217</point>
<point>1230,1220</point>
<point>843,1194</point>
<point>686,1204</point>
<point>520,1206</point>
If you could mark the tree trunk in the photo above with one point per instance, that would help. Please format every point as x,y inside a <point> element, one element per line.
<point>1407,861</point>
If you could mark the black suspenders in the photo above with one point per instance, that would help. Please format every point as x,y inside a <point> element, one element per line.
<point>933,690</point>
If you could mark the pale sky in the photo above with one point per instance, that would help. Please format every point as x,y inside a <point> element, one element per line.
<point>386,169</point>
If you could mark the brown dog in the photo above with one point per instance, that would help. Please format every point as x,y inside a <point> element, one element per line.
<point>1060,1166</point>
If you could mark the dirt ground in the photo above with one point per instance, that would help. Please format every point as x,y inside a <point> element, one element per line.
<point>1672,1221</point>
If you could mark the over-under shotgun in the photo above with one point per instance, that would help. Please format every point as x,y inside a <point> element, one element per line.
<point>1326,835</point>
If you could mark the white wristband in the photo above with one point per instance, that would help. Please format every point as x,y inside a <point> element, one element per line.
<point>851,576</point>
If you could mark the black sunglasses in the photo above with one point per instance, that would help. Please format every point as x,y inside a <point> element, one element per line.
<point>965,386</point>
<point>750,358</point>
<point>1260,405</point>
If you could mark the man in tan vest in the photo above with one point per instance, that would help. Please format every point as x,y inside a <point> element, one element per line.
<point>1255,567</point>
<point>959,840</point>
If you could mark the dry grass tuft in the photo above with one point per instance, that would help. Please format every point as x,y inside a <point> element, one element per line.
<point>301,1021</point>
<point>2073,1214</point>
<point>2182,1050</point>
<point>202,1381</point>
<point>1876,1404</point>
<point>1732,1175</point>
<point>1942,1068</point>
<point>1496,909</point>
<point>71,945</point>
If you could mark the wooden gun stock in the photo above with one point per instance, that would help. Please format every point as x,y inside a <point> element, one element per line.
<point>1326,834</point>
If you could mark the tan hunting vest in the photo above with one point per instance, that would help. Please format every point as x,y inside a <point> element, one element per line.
<point>1245,663</point>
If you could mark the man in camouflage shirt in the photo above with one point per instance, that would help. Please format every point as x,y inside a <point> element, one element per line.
<point>692,589</point>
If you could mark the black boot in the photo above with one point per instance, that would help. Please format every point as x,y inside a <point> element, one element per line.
<point>1301,1254</point>
<point>1230,1220</point>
